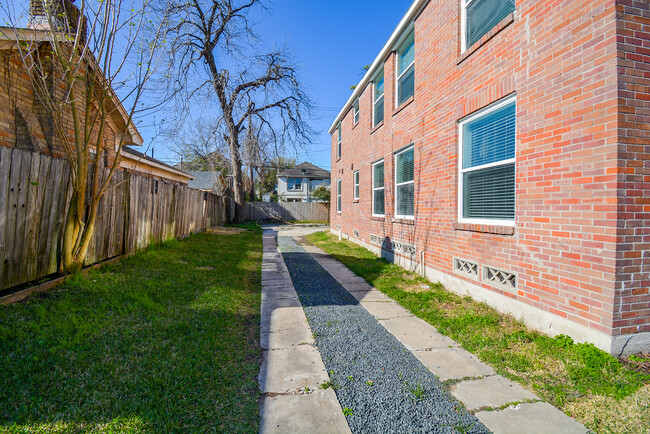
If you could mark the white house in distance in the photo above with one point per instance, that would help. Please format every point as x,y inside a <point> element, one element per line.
<point>297,184</point>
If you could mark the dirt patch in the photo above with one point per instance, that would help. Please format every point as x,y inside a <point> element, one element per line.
<point>222,230</point>
<point>638,362</point>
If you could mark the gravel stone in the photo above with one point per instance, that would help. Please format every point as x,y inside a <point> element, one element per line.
<point>384,385</point>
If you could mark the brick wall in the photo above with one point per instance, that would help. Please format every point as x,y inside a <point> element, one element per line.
<point>632,309</point>
<point>560,59</point>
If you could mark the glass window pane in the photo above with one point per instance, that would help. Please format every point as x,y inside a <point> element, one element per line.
<point>406,54</point>
<point>482,15</point>
<point>490,138</point>
<point>404,164</point>
<point>378,176</point>
<point>378,112</point>
<point>405,200</point>
<point>379,88</point>
<point>378,203</point>
<point>406,86</point>
<point>490,193</point>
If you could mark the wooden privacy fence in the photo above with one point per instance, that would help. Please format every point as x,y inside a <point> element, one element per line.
<point>287,211</point>
<point>135,212</point>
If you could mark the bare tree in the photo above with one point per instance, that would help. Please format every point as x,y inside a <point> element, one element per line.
<point>77,57</point>
<point>263,88</point>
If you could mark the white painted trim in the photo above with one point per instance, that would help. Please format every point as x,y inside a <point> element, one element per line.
<point>373,189</point>
<point>339,195</point>
<point>398,76</point>
<point>378,100</point>
<point>406,149</point>
<point>462,171</point>
<point>355,184</point>
<point>403,26</point>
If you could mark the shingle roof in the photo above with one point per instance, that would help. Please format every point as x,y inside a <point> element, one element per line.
<point>306,170</point>
<point>203,180</point>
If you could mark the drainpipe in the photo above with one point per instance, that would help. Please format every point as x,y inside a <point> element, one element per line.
<point>339,234</point>
<point>423,269</point>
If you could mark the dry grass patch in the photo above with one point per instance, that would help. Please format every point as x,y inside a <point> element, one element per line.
<point>606,414</point>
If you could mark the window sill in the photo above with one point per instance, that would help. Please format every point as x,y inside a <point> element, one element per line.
<point>338,159</point>
<point>404,221</point>
<point>355,125</point>
<point>485,38</point>
<point>379,125</point>
<point>377,218</point>
<point>355,200</point>
<point>487,229</point>
<point>404,105</point>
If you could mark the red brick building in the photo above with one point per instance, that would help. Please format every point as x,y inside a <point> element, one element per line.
<point>505,145</point>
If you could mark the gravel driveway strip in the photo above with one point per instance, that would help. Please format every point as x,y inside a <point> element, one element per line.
<point>380,384</point>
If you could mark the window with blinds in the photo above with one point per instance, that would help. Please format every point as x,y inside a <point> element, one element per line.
<point>338,147</point>
<point>480,16</point>
<point>488,164</point>
<point>405,70</point>
<point>356,185</point>
<point>378,100</point>
<point>338,195</point>
<point>378,188</point>
<point>356,112</point>
<point>404,184</point>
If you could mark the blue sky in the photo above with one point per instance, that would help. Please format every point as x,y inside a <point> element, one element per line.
<point>331,41</point>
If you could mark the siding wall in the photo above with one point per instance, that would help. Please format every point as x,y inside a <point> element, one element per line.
<point>561,60</point>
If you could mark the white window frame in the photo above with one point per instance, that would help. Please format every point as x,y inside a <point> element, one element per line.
<point>355,181</point>
<point>398,76</point>
<point>379,100</point>
<point>294,189</point>
<point>338,146</point>
<point>339,198</point>
<point>406,217</point>
<point>379,188</point>
<point>461,171</point>
<point>355,111</point>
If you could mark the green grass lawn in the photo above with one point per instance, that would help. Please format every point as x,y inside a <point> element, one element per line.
<point>597,389</point>
<point>165,341</point>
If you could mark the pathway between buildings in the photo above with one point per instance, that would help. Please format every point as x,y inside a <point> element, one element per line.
<point>340,355</point>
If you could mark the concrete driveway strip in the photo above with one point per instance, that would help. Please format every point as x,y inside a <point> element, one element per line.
<point>479,387</point>
<point>292,369</point>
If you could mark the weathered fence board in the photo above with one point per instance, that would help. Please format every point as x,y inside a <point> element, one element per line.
<point>134,212</point>
<point>287,211</point>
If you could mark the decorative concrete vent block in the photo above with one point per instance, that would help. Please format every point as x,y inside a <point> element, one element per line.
<point>406,249</point>
<point>376,239</point>
<point>467,268</point>
<point>338,227</point>
<point>356,233</point>
<point>503,279</point>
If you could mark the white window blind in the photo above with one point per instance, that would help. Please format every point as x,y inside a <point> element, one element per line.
<point>488,164</point>
<point>406,70</point>
<point>404,183</point>
<point>480,16</point>
<point>378,188</point>
<point>378,101</point>
<point>356,112</point>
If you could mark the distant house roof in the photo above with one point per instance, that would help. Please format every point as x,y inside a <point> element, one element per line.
<point>203,180</point>
<point>133,154</point>
<point>305,170</point>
